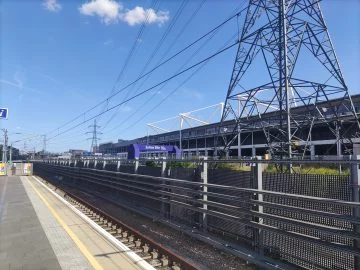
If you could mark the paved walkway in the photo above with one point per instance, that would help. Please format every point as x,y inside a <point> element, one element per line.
<point>23,242</point>
<point>37,231</point>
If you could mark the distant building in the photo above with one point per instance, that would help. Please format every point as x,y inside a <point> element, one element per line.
<point>200,140</point>
<point>76,152</point>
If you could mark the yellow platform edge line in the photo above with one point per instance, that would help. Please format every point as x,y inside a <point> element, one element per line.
<point>94,263</point>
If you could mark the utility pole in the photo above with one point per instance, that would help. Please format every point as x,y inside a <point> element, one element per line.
<point>44,144</point>
<point>94,139</point>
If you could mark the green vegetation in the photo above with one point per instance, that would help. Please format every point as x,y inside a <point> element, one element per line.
<point>151,163</point>
<point>312,170</point>
<point>175,164</point>
<point>234,167</point>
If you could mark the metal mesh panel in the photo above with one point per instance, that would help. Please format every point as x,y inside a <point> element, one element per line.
<point>301,253</point>
<point>152,171</point>
<point>236,179</point>
<point>177,212</point>
<point>127,168</point>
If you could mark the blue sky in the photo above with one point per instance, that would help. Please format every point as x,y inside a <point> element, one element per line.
<point>59,58</point>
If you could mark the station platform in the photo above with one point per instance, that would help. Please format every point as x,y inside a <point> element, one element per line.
<point>38,231</point>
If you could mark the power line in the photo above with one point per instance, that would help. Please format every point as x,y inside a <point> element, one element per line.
<point>170,94</point>
<point>154,5</point>
<point>187,61</point>
<point>148,100</point>
<point>153,54</point>
<point>149,89</point>
<point>139,78</point>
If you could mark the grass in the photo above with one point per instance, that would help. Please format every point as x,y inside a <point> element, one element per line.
<point>312,170</point>
<point>234,167</point>
<point>175,164</point>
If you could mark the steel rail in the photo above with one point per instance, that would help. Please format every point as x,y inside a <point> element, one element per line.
<point>153,244</point>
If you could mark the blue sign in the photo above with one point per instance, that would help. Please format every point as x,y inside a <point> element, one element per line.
<point>134,150</point>
<point>3,113</point>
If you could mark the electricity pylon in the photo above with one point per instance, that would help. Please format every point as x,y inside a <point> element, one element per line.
<point>94,139</point>
<point>287,46</point>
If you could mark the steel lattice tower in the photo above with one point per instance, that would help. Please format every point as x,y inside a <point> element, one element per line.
<point>95,138</point>
<point>277,34</point>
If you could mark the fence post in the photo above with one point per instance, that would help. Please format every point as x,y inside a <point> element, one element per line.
<point>258,184</point>
<point>136,165</point>
<point>104,164</point>
<point>163,172</point>
<point>355,184</point>
<point>204,178</point>
<point>118,165</point>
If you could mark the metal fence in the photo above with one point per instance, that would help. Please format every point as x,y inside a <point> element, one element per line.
<point>306,220</point>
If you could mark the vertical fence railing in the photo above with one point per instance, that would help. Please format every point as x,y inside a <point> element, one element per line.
<point>282,212</point>
<point>355,184</point>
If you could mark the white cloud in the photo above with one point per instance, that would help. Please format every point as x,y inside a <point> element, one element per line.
<point>107,10</point>
<point>18,82</point>
<point>108,42</point>
<point>52,5</point>
<point>111,11</point>
<point>140,15</point>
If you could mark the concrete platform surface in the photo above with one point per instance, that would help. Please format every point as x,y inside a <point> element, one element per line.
<point>37,231</point>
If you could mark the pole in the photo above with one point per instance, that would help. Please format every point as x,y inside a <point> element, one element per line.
<point>284,68</point>
<point>180,136</point>
<point>205,190</point>
<point>163,174</point>
<point>355,184</point>
<point>258,184</point>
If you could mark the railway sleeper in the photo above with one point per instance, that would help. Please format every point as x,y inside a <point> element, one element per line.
<point>154,254</point>
<point>164,260</point>
<point>146,256</point>
<point>176,266</point>
<point>155,263</point>
<point>130,245</point>
<point>144,251</point>
<point>123,240</point>
<point>138,243</point>
<point>146,248</point>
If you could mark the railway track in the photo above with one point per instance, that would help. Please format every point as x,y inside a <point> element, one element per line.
<point>154,253</point>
